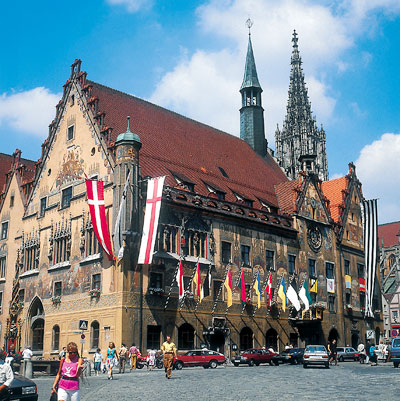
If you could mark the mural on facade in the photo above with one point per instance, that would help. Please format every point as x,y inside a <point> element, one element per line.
<point>72,167</point>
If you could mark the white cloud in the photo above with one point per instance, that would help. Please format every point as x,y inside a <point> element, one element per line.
<point>205,84</point>
<point>30,111</point>
<point>378,169</point>
<point>132,6</point>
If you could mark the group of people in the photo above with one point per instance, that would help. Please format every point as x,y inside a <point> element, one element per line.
<point>371,353</point>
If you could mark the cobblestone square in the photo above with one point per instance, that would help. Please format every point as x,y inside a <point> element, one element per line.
<point>348,381</point>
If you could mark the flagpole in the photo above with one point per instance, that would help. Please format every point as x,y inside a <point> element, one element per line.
<point>248,298</point>
<point>170,288</point>
<point>188,286</point>
<point>220,289</point>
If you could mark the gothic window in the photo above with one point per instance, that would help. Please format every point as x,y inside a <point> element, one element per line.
<point>3,266</point>
<point>96,281</point>
<point>31,249</point>
<point>186,337</point>
<point>329,270</point>
<point>57,289</point>
<point>4,230</point>
<point>92,244</point>
<point>21,295</point>
<point>226,252</point>
<point>153,337</point>
<point>94,335</point>
<point>70,133</point>
<point>292,264</point>
<point>66,196</point>
<point>246,338</point>
<point>170,239</point>
<point>311,268</point>
<point>331,304</point>
<point>347,267</point>
<point>360,270</point>
<point>196,244</point>
<point>245,255</point>
<point>348,298</point>
<point>269,260</point>
<point>60,242</point>
<point>156,280</point>
<point>55,344</point>
<point>37,335</point>
<point>43,205</point>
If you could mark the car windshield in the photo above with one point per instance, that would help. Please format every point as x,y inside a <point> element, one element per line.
<point>396,342</point>
<point>316,348</point>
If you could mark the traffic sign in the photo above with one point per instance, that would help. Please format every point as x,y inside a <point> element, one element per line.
<point>395,333</point>
<point>83,336</point>
<point>83,341</point>
<point>83,324</point>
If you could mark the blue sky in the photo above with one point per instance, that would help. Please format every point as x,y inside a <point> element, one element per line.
<point>189,56</point>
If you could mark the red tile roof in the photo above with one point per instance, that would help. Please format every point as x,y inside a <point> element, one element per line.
<point>287,195</point>
<point>333,191</point>
<point>172,142</point>
<point>387,233</point>
<point>5,166</point>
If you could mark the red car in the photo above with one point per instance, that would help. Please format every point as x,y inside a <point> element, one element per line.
<point>256,356</point>
<point>205,358</point>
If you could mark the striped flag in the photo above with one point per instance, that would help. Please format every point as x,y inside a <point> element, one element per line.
<point>305,296</point>
<point>95,195</point>
<point>150,224</point>
<point>370,224</point>
<point>292,296</point>
<point>228,286</point>
<point>242,288</point>
<point>282,293</point>
<point>206,287</point>
<point>268,291</point>
<point>362,284</point>
<point>257,289</point>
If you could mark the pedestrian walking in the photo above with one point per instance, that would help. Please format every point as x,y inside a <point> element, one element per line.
<point>6,377</point>
<point>373,357</point>
<point>152,358</point>
<point>333,352</point>
<point>361,351</point>
<point>112,359</point>
<point>66,383</point>
<point>97,359</point>
<point>169,351</point>
<point>367,347</point>
<point>381,351</point>
<point>62,353</point>
<point>122,358</point>
<point>133,354</point>
<point>27,356</point>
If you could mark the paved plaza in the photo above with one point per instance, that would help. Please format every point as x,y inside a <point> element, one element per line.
<point>348,381</point>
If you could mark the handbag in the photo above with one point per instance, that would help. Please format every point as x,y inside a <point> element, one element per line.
<point>53,397</point>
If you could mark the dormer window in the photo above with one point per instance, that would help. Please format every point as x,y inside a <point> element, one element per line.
<point>241,199</point>
<point>183,182</point>
<point>219,193</point>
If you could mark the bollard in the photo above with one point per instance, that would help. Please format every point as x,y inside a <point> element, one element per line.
<point>28,368</point>
<point>89,368</point>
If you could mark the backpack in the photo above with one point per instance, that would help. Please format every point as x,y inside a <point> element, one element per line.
<point>371,351</point>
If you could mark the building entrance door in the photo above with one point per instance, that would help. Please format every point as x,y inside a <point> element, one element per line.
<point>217,341</point>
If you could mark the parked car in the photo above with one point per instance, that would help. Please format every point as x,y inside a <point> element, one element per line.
<point>395,352</point>
<point>315,355</point>
<point>256,356</point>
<point>205,358</point>
<point>293,356</point>
<point>347,353</point>
<point>22,389</point>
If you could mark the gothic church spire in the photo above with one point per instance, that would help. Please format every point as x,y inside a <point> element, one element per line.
<point>251,112</point>
<point>300,136</point>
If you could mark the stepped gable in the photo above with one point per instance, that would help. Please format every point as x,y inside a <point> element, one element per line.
<point>388,234</point>
<point>176,144</point>
<point>335,191</point>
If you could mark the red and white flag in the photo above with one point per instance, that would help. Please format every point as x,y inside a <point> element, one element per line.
<point>268,290</point>
<point>95,195</point>
<point>362,284</point>
<point>151,215</point>
<point>179,280</point>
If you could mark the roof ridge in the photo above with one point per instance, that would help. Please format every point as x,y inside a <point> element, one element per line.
<point>386,224</point>
<point>163,108</point>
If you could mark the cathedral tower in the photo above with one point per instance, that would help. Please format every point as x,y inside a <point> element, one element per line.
<point>300,138</point>
<point>251,112</point>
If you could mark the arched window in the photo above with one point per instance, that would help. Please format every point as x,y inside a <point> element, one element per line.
<point>37,335</point>
<point>271,339</point>
<point>186,336</point>
<point>246,338</point>
<point>94,335</point>
<point>55,343</point>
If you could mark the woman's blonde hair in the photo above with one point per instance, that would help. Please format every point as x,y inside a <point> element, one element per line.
<point>72,347</point>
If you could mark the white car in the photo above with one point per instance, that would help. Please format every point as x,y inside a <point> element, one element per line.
<point>315,355</point>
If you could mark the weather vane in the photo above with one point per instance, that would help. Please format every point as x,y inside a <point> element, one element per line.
<point>249,24</point>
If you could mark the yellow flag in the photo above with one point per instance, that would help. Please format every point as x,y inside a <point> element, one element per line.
<point>314,285</point>
<point>282,293</point>
<point>228,286</point>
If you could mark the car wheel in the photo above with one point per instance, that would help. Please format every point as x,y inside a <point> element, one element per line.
<point>305,366</point>
<point>179,365</point>
<point>276,363</point>
<point>213,364</point>
<point>270,363</point>
<point>251,362</point>
<point>327,366</point>
<point>341,359</point>
<point>396,364</point>
<point>236,364</point>
<point>295,361</point>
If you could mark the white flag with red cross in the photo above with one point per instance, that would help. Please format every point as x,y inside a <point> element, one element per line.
<point>95,195</point>
<point>151,215</point>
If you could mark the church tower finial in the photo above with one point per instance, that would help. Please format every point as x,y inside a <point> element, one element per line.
<point>300,137</point>
<point>251,112</point>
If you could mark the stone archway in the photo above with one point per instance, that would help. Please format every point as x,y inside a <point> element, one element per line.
<point>35,322</point>
<point>355,340</point>
<point>246,338</point>
<point>333,335</point>
<point>271,339</point>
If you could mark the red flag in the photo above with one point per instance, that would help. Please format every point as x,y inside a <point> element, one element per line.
<point>242,288</point>
<point>197,281</point>
<point>268,290</point>
<point>179,280</point>
<point>95,194</point>
<point>362,284</point>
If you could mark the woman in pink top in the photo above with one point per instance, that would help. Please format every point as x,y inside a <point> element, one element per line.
<point>68,375</point>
